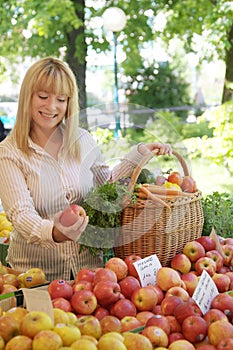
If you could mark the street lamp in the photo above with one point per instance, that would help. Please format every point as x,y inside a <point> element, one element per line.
<point>114,19</point>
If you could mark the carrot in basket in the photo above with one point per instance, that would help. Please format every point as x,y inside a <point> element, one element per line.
<point>155,189</point>
<point>144,191</point>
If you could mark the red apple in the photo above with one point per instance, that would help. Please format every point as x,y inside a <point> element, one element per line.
<point>129,323</point>
<point>181,344</point>
<point>222,282</point>
<point>207,242</point>
<point>223,302</point>
<point>60,288</point>
<point>103,274</point>
<point>143,316</point>
<point>225,344</point>
<point>228,240</point>
<point>167,277</point>
<point>119,266</point>
<point>84,274</point>
<point>128,285</point>
<point>100,312</point>
<point>71,214</point>
<point>219,330</point>
<point>169,304</point>
<point>179,292</point>
<point>228,253</point>
<point>159,292</point>
<point>84,302</point>
<point>157,310</point>
<point>213,315</point>
<point>191,281</point>
<point>159,321</point>
<point>206,347</point>
<point>110,323</point>
<point>175,326</point>
<point>10,278</point>
<point>194,328</point>
<point>107,292</point>
<point>206,264</point>
<point>156,335</point>
<point>144,298</point>
<point>188,184</point>
<point>174,336</point>
<point>194,250</point>
<point>130,260</point>
<point>185,309</point>
<point>217,257</point>
<point>82,284</point>
<point>181,263</point>
<point>122,308</point>
<point>62,303</point>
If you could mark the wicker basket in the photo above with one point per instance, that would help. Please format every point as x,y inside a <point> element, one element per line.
<point>151,229</point>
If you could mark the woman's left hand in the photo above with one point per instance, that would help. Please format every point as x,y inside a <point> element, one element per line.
<point>162,148</point>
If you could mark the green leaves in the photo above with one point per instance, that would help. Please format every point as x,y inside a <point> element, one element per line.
<point>218,213</point>
<point>103,205</point>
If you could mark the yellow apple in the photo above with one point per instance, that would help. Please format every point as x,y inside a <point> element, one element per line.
<point>20,342</point>
<point>17,313</point>
<point>68,333</point>
<point>60,316</point>
<point>9,328</point>
<point>34,322</point>
<point>83,344</point>
<point>2,343</point>
<point>112,343</point>
<point>137,341</point>
<point>114,335</point>
<point>31,277</point>
<point>46,339</point>
<point>72,317</point>
<point>89,325</point>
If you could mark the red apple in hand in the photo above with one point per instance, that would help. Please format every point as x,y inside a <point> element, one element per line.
<point>71,214</point>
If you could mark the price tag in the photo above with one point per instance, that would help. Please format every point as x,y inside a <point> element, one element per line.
<point>38,300</point>
<point>218,245</point>
<point>147,269</point>
<point>205,292</point>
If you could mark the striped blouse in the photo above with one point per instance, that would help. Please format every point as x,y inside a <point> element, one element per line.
<point>33,189</point>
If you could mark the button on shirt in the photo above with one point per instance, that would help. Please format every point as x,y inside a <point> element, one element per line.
<point>33,188</point>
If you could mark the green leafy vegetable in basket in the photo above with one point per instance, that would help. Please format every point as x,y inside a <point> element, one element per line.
<point>103,205</point>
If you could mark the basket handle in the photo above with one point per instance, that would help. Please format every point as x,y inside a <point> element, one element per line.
<point>146,159</point>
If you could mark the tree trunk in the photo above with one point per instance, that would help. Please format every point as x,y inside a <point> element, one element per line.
<point>76,58</point>
<point>228,82</point>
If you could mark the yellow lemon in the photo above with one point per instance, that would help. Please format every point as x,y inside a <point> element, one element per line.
<point>171,185</point>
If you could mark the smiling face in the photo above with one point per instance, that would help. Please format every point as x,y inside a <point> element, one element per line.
<point>47,110</point>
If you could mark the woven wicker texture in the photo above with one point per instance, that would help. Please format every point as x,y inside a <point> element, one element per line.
<point>148,228</point>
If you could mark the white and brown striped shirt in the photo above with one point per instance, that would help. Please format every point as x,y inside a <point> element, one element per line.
<point>33,189</point>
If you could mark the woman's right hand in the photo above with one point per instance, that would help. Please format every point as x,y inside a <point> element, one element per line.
<point>73,232</point>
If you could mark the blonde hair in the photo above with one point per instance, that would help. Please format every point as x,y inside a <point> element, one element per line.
<point>53,75</point>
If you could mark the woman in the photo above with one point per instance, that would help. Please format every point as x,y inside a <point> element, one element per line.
<point>47,163</point>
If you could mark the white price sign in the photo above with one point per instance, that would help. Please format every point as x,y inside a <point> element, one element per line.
<point>205,292</point>
<point>147,269</point>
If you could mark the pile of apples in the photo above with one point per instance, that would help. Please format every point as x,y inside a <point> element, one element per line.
<point>11,281</point>
<point>108,308</point>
